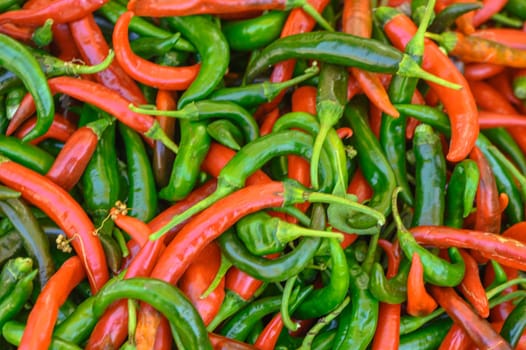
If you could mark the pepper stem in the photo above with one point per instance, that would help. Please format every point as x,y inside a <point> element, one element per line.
<point>76,69</point>
<point>311,11</point>
<point>205,203</point>
<point>190,111</point>
<point>221,272</point>
<point>157,133</point>
<point>415,47</point>
<point>318,197</point>
<point>286,232</point>
<point>409,68</point>
<point>272,90</point>
<point>285,315</point>
<point>98,126</point>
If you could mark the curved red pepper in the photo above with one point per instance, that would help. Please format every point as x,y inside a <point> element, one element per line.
<point>61,129</point>
<point>93,49</point>
<point>419,302</point>
<point>44,314</point>
<point>460,105</point>
<point>144,71</point>
<point>64,211</point>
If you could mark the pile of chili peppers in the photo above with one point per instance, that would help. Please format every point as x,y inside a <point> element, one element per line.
<point>279,174</point>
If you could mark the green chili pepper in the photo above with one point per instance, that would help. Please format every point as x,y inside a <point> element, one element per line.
<point>4,122</point>
<point>427,338</point>
<point>240,325</point>
<point>13,99</point>
<point>112,11</point>
<point>341,49</point>
<point>14,302</point>
<point>26,154</point>
<point>226,133</point>
<point>187,326</point>
<point>330,103</point>
<point>334,146</point>
<point>392,291</point>
<point>500,275</point>
<point>16,58</point>
<point>374,165</point>
<point>505,181</point>
<point>517,8</point>
<point>13,331</point>
<point>357,322</point>
<point>142,195</point>
<point>213,50</point>
<point>10,246</point>
<point>34,240</point>
<point>207,109</point>
<point>250,158</point>
<point>501,138</point>
<point>263,234</point>
<point>436,270</point>
<point>193,148</point>
<point>267,270</point>
<point>324,340</point>
<point>392,130</point>
<point>254,33</point>
<point>43,36</point>
<point>430,177</point>
<point>6,4</point>
<point>12,272</point>
<point>461,192</point>
<point>514,324</point>
<point>147,47</point>
<point>173,58</point>
<point>324,300</point>
<point>446,18</point>
<point>253,95</point>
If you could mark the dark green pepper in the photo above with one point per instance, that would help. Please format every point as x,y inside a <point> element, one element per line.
<point>461,192</point>
<point>428,337</point>
<point>12,272</point>
<point>392,291</point>
<point>430,176</point>
<point>446,18</point>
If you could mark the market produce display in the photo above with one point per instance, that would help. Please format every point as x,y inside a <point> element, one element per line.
<point>249,174</point>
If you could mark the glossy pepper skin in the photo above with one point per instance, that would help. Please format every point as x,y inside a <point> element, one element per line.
<point>186,324</point>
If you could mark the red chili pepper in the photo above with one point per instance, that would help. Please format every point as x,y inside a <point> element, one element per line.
<point>297,22</point>
<point>93,49</point>
<point>363,191</point>
<point>456,339</point>
<point>375,119</point>
<point>198,277</point>
<point>64,211</point>
<point>134,227</point>
<point>387,335</point>
<point>471,286</point>
<point>465,22</point>
<point>419,302</point>
<point>24,34</point>
<point>60,11</point>
<point>489,8</point>
<point>482,71</point>
<point>44,314</point>
<point>164,8</point>
<point>503,82</point>
<point>487,200</point>
<point>73,158</point>
<point>111,329</point>
<point>479,330</point>
<point>492,100</point>
<point>223,343</point>
<point>357,20</point>
<point>98,95</point>
<point>507,36</point>
<point>470,48</point>
<point>61,129</point>
<point>344,132</point>
<point>144,71</point>
<point>268,337</point>
<point>488,120</point>
<point>202,229</point>
<point>460,105</point>
<point>268,122</point>
<point>506,251</point>
<point>63,45</point>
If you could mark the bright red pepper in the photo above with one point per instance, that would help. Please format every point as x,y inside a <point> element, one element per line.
<point>460,105</point>
<point>144,71</point>
<point>64,211</point>
<point>61,129</point>
<point>44,313</point>
<point>419,302</point>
